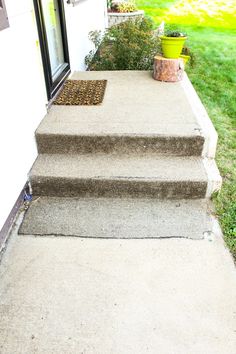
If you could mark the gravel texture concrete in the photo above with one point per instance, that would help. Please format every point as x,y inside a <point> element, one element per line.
<point>132,143</point>
<point>148,166</point>
<point>74,296</point>
<point>117,218</point>
<point>133,103</point>
<point>136,108</point>
<point>147,139</point>
<point>147,175</point>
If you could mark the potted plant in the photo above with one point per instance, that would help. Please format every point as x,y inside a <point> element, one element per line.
<point>187,55</point>
<point>172,44</point>
<point>122,10</point>
<point>127,6</point>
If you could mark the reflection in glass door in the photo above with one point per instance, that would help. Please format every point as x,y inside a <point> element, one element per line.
<point>53,40</point>
<point>54,36</point>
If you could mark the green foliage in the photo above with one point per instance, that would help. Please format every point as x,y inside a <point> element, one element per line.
<point>204,13</point>
<point>211,26</point>
<point>175,34</point>
<point>173,30</point>
<point>96,38</point>
<point>130,45</point>
<point>127,6</point>
<point>214,77</point>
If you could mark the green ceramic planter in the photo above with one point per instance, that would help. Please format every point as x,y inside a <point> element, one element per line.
<point>172,46</point>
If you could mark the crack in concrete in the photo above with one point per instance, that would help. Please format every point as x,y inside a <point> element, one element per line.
<point>112,238</point>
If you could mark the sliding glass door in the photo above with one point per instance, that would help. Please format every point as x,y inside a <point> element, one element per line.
<point>53,41</point>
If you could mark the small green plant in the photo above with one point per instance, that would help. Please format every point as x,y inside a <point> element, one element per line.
<point>171,30</point>
<point>130,45</point>
<point>127,6</point>
<point>175,34</point>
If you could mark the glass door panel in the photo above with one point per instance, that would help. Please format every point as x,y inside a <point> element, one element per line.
<point>53,42</point>
<point>54,36</point>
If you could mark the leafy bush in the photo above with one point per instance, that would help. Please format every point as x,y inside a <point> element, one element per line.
<point>130,45</point>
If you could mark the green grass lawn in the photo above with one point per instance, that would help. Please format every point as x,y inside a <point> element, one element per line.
<point>211,28</point>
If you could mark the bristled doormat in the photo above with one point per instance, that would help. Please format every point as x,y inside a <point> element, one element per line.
<point>81,93</point>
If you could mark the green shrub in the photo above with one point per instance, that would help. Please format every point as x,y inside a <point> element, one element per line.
<point>130,45</point>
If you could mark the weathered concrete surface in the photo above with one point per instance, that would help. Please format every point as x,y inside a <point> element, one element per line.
<point>132,143</point>
<point>147,175</point>
<point>136,108</point>
<point>117,218</point>
<point>147,139</point>
<point>70,296</point>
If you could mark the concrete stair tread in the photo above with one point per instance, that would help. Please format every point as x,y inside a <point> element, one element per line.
<point>138,114</point>
<point>94,126</point>
<point>146,139</point>
<point>134,103</point>
<point>113,166</point>
<point>117,218</point>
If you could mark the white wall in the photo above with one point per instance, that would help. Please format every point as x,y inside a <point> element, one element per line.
<point>22,101</point>
<point>88,15</point>
<point>22,87</point>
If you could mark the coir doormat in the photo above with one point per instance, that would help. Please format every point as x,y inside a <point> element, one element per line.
<point>81,92</point>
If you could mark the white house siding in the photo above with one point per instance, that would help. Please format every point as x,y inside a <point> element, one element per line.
<point>22,88</point>
<point>88,15</point>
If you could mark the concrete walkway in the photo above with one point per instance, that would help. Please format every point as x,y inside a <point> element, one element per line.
<point>119,177</point>
<point>93,296</point>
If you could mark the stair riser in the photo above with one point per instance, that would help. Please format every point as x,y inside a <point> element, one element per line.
<point>179,146</point>
<point>117,188</point>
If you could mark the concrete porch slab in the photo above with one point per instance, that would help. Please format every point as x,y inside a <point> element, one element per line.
<point>134,105</point>
<point>73,296</point>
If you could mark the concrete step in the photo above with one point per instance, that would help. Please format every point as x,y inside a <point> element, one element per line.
<point>113,175</point>
<point>117,218</point>
<point>190,145</point>
<point>138,114</point>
